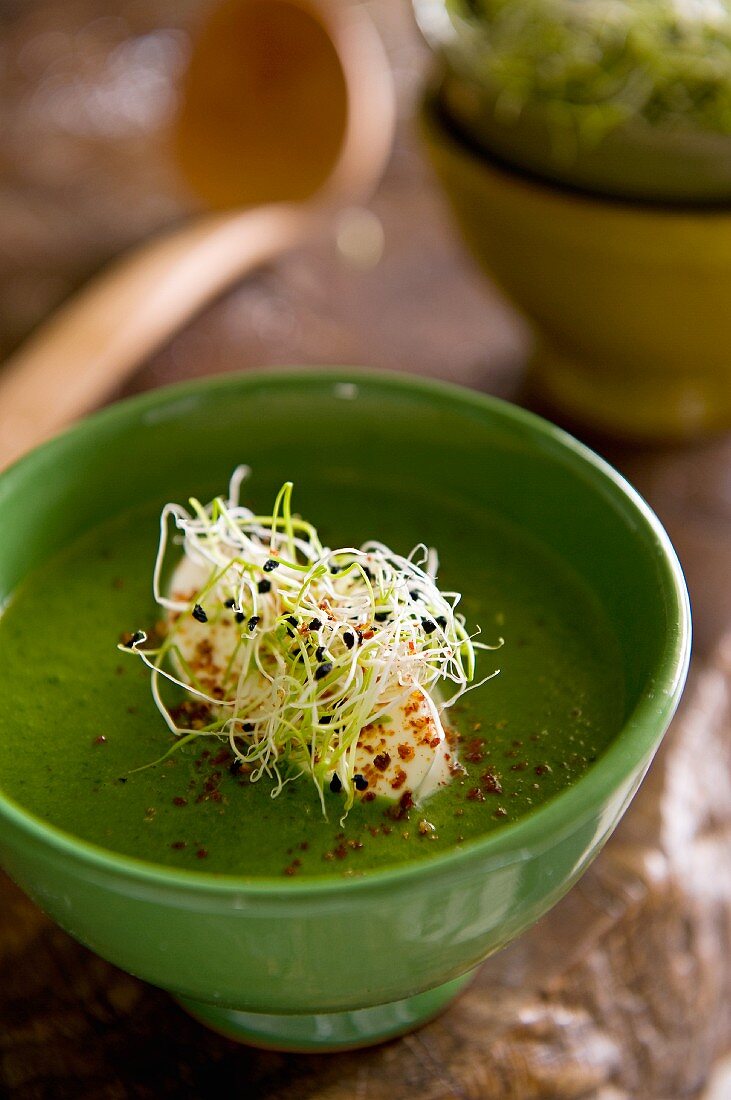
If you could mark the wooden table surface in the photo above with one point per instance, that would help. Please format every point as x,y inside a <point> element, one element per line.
<point>624,989</point>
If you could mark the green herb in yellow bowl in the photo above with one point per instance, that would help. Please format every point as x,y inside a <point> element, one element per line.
<point>630,98</point>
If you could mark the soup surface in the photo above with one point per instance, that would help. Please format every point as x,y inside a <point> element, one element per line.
<point>77,714</point>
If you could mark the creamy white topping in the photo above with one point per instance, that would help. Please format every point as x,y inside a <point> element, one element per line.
<point>407,751</point>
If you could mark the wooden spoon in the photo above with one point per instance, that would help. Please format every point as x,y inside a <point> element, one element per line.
<point>285,102</point>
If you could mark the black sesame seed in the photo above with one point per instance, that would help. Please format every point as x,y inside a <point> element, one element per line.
<point>270,565</point>
<point>292,621</point>
<point>248,727</point>
<point>381,616</point>
<point>239,616</point>
<point>230,603</point>
<point>428,626</point>
<point>199,614</point>
<point>122,779</point>
<point>136,637</point>
<point>336,568</point>
<point>323,670</point>
<point>263,587</point>
<point>349,639</point>
<point>253,621</point>
<point>319,652</point>
<point>335,785</point>
<point>314,625</point>
<point>235,766</point>
<point>361,783</point>
<point>442,621</point>
<point>325,719</point>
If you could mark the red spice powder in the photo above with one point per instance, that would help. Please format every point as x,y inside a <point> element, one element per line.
<point>399,779</point>
<point>491,782</point>
<point>475,750</point>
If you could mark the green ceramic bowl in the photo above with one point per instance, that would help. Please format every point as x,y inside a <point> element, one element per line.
<point>272,961</point>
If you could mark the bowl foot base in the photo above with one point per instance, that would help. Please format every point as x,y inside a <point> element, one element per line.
<point>635,405</point>
<point>327,1031</point>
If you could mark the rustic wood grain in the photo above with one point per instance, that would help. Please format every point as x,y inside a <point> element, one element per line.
<point>623,991</point>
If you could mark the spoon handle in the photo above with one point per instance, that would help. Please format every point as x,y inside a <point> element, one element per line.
<point>87,349</point>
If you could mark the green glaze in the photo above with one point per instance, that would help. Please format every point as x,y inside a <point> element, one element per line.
<point>552,709</point>
<point>330,1031</point>
<point>301,962</point>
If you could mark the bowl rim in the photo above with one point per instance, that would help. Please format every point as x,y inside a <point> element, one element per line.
<point>631,747</point>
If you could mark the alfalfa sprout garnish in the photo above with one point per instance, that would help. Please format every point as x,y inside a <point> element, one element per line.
<point>320,643</point>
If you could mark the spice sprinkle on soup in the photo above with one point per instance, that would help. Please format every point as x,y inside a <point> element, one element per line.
<point>80,729</point>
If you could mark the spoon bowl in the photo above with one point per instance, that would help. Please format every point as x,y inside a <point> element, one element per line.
<point>298,108</point>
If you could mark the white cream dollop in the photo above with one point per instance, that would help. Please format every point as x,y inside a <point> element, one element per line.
<point>407,751</point>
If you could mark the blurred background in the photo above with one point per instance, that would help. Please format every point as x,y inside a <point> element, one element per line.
<point>88,89</point>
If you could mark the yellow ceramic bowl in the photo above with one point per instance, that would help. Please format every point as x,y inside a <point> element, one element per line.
<point>631,302</point>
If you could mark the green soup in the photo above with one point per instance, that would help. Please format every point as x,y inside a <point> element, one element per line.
<point>78,716</point>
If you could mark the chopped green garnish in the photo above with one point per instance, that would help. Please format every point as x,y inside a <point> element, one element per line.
<point>595,64</point>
